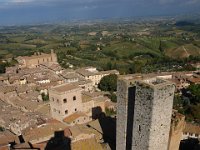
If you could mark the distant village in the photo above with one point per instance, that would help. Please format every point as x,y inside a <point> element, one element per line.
<point>40,100</point>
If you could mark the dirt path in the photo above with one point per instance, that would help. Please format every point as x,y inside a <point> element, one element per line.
<point>186,51</point>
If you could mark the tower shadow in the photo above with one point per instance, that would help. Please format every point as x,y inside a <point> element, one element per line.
<point>59,142</point>
<point>108,125</point>
<point>190,144</point>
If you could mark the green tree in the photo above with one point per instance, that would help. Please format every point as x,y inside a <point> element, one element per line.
<point>194,89</point>
<point>2,68</point>
<point>2,129</point>
<point>160,47</point>
<point>45,97</point>
<point>177,101</point>
<point>112,96</point>
<point>109,66</point>
<point>108,83</point>
<point>110,112</point>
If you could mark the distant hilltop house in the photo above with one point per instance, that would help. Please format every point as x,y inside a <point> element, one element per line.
<point>36,59</point>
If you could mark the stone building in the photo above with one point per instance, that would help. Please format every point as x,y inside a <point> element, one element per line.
<point>176,131</point>
<point>144,113</point>
<point>65,100</point>
<point>191,131</point>
<point>71,104</point>
<point>36,59</point>
<point>91,73</point>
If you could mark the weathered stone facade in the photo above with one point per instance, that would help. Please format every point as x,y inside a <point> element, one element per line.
<point>144,114</point>
<point>35,60</point>
<point>65,100</point>
<point>177,127</point>
<point>125,95</point>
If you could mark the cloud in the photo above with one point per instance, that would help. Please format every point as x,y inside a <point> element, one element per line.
<point>178,2</point>
<point>21,1</point>
<point>192,2</point>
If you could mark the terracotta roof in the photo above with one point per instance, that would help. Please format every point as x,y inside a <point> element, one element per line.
<point>190,128</point>
<point>94,94</point>
<point>87,144</point>
<point>73,117</point>
<point>4,147</point>
<point>65,87</point>
<point>6,137</point>
<point>194,80</point>
<point>7,88</point>
<point>176,81</point>
<point>23,146</point>
<point>3,78</point>
<point>85,72</point>
<point>92,127</point>
<point>45,130</point>
<point>86,98</point>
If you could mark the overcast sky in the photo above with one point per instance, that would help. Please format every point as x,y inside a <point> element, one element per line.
<point>41,11</point>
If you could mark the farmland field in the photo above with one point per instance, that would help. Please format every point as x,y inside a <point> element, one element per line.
<point>105,45</point>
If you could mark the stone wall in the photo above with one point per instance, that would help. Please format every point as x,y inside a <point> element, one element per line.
<point>35,60</point>
<point>63,105</point>
<point>152,118</point>
<point>142,117</point>
<point>176,130</point>
<point>122,100</point>
<point>125,105</point>
<point>144,112</point>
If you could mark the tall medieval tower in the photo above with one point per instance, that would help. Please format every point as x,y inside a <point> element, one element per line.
<point>144,113</point>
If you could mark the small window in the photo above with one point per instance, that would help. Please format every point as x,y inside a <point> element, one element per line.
<point>59,111</point>
<point>65,100</point>
<point>139,128</point>
<point>57,100</point>
<point>74,98</point>
<point>75,109</point>
<point>196,135</point>
<point>66,111</point>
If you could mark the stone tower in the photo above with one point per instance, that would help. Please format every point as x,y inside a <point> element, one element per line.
<point>65,100</point>
<point>144,113</point>
<point>53,56</point>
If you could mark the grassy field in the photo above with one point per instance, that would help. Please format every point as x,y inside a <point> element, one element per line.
<point>122,45</point>
<point>183,51</point>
